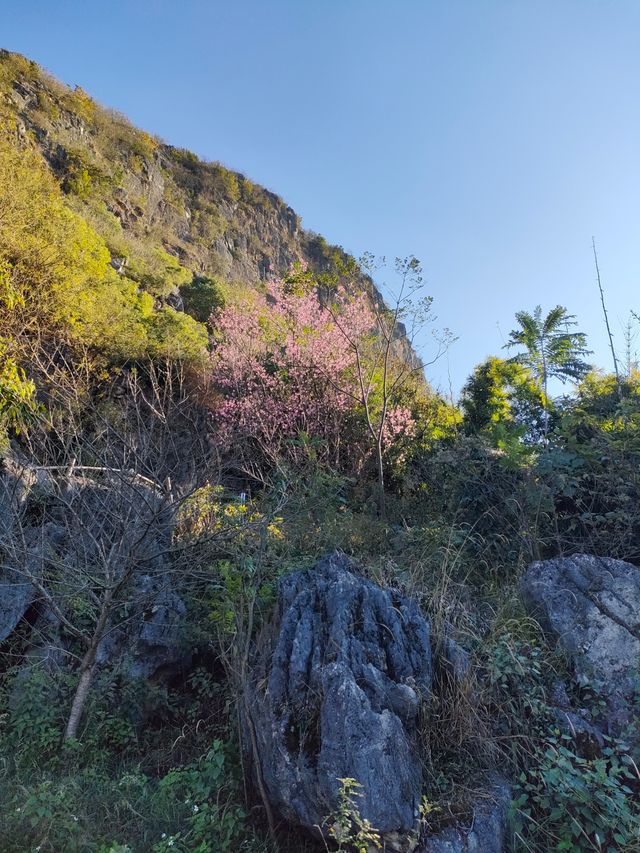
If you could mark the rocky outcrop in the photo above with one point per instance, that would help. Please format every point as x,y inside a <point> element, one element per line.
<point>337,694</point>
<point>486,832</point>
<point>591,607</point>
<point>66,538</point>
<point>16,591</point>
<point>216,222</point>
<point>15,598</point>
<point>149,645</point>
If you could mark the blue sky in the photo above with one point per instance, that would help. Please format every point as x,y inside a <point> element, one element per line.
<point>490,138</point>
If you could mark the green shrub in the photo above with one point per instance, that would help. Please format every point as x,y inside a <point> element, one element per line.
<point>82,177</point>
<point>209,820</point>
<point>175,335</point>
<point>158,271</point>
<point>577,803</point>
<point>18,406</point>
<point>563,800</point>
<point>347,827</point>
<point>33,717</point>
<point>202,296</point>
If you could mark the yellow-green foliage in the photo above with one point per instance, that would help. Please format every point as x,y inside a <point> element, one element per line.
<point>501,397</point>
<point>17,394</point>
<point>125,139</point>
<point>173,334</point>
<point>95,212</point>
<point>82,104</point>
<point>13,65</point>
<point>44,246</point>
<point>599,395</point>
<point>207,223</point>
<point>348,828</point>
<point>208,180</point>
<point>56,271</point>
<point>82,176</point>
<point>158,271</point>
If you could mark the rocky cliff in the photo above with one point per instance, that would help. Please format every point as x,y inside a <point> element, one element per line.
<point>150,200</point>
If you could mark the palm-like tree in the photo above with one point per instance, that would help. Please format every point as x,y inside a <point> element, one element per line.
<point>551,349</point>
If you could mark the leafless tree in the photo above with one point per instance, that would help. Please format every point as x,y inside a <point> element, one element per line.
<point>91,500</point>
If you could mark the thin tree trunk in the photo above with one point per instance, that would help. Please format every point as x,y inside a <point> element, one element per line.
<point>380,460</point>
<point>544,389</point>
<point>80,697</point>
<point>87,669</point>
<point>546,410</point>
<point>240,672</point>
<point>606,320</point>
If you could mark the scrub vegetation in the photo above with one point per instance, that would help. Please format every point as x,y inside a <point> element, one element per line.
<point>166,327</point>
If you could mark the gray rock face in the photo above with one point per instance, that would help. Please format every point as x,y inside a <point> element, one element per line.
<point>150,644</point>
<point>247,234</point>
<point>591,606</point>
<point>15,593</point>
<point>15,598</point>
<point>89,532</point>
<point>455,659</point>
<point>486,833</point>
<point>337,695</point>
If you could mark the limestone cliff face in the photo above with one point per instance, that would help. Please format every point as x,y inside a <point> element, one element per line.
<point>150,200</point>
<point>213,220</point>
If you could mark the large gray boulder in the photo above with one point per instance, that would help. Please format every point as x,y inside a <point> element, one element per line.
<point>15,597</point>
<point>337,693</point>
<point>16,592</point>
<point>591,607</point>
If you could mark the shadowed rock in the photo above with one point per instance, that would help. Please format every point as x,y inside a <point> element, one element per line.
<point>337,695</point>
<point>591,607</point>
<point>73,527</point>
<point>486,832</point>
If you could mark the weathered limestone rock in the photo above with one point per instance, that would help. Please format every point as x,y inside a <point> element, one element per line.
<point>149,646</point>
<point>73,524</point>
<point>15,598</point>
<point>337,695</point>
<point>486,832</point>
<point>16,594</point>
<point>591,607</point>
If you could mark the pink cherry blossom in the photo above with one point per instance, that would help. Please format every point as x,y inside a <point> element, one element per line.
<point>285,364</point>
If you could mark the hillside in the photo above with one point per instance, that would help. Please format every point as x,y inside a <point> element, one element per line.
<point>145,197</point>
<point>261,589</point>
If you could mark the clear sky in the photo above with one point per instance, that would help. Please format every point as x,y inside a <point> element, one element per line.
<point>490,138</point>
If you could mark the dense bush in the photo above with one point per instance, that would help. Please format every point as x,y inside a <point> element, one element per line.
<point>57,276</point>
<point>202,297</point>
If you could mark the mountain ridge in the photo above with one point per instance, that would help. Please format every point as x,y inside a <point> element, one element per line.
<point>138,191</point>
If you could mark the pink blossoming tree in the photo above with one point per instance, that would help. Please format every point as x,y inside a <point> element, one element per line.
<point>287,364</point>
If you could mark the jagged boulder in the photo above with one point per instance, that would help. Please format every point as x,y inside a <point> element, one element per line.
<point>591,607</point>
<point>15,598</point>
<point>336,694</point>
<point>16,593</point>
